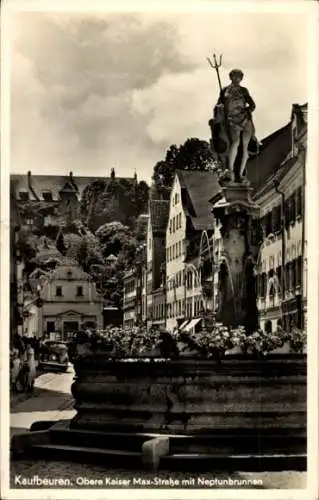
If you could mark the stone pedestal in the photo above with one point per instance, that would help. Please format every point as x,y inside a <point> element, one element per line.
<point>238,217</point>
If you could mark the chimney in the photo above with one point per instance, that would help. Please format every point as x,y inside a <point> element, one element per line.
<point>73,181</point>
<point>30,186</point>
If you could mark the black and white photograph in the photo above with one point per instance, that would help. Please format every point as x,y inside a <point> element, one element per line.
<point>159,280</point>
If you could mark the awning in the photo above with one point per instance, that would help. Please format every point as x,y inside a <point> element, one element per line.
<point>183,324</point>
<point>192,324</point>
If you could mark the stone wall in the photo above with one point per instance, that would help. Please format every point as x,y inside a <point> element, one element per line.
<point>191,396</point>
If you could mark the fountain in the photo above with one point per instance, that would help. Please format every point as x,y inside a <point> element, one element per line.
<point>239,413</point>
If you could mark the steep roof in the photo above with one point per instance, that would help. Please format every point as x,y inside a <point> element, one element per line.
<point>159,212</point>
<point>197,189</point>
<point>54,183</point>
<point>276,148</point>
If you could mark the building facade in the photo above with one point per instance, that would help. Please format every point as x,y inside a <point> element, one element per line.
<point>129,299</point>
<point>189,216</point>
<point>282,260</point>
<point>156,262</point>
<point>186,293</point>
<point>69,299</point>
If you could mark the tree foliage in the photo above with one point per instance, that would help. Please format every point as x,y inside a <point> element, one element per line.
<point>119,240</point>
<point>194,154</point>
<point>116,199</point>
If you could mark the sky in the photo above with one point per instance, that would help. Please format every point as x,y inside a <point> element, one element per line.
<point>91,92</point>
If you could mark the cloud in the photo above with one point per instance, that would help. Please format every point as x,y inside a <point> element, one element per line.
<point>96,91</point>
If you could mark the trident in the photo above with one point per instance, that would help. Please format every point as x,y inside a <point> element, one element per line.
<point>216,66</point>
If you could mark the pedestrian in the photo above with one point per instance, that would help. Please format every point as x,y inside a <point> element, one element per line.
<point>15,367</point>
<point>31,368</point>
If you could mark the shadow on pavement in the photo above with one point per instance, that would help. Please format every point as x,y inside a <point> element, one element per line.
<point>39,400</point>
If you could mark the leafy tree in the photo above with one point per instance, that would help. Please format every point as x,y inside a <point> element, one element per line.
<point>117,239</point>
<point>114,238</point>
<point>90,195</point>
<point>118,199</point>
<point>194,154</point>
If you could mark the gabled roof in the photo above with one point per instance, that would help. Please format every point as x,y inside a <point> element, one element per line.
<point>197,189</point>
<point>54,183</point>
<point>159,212</point>
<point>275,148</point>
<point>69,268</point>
<point>68,187</point>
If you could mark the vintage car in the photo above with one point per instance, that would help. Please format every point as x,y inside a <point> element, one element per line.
<point>53,354</point>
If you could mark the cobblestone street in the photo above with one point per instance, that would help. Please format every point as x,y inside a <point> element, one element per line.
<point>52,401</point>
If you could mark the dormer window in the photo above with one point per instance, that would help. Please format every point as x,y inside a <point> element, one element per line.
<point>47,195</point>
<point>24,195</point>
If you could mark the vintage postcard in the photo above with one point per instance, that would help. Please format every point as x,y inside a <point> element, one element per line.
<point>159,249</point>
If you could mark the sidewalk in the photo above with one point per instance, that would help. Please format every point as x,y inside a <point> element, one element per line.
<point>51,400</point>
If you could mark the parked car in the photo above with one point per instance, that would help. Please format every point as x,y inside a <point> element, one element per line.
<point>54,354</point>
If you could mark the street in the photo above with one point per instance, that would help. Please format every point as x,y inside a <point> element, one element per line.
<point>52,400</point>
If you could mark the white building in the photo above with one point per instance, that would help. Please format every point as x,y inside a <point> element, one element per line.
<point>69,300</point>
<point>282,269</point>
<point>189,215</point>
<point>129,299</point>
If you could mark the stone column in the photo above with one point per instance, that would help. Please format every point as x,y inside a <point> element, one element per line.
<point>238,216</point>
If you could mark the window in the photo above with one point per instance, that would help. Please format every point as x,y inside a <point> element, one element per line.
<point>24,195</point>
<point>47,195</point>
<point>278,272</point>
<point>268,326</point>
<point>298,271</point>
<point>293,206</point>
<point>276,219</point>
<point>50,326</point>
<point>170,226</point>
<point>176,199</point>
<point>299,202</point>
<point>264,284</point>
<point>58,291</point>
<point>293,274</point>
<point>79,291</point>
<point>269,223</point>
<point>288,276</point>
<point>173,224</point>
